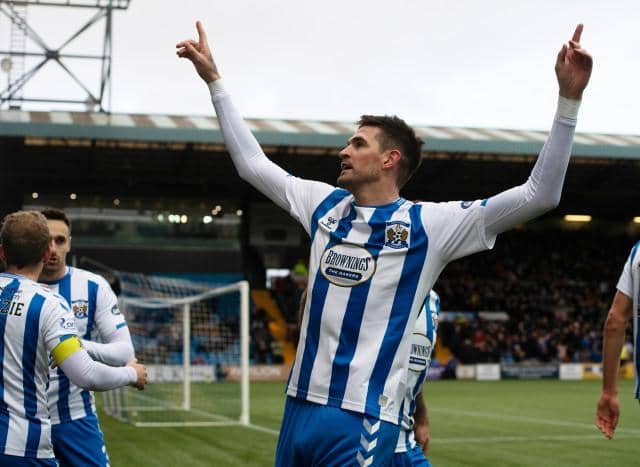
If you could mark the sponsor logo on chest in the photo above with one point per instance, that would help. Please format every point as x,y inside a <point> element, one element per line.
<point>347,265</point>
<point>420,352</point>
<point>330,222</point>
<point>68,324</point>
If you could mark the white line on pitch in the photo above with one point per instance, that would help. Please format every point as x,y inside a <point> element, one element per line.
<point>518,418</point>
<point>263,428</point>
<point>524,439</point>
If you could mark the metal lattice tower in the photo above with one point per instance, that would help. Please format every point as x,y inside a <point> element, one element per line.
<point>13,60</point>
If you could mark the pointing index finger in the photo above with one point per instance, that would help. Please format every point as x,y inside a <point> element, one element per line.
<point>202,36</point>
<point>577,33</point>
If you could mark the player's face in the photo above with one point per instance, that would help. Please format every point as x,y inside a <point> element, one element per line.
<point>362,158</point>
<point>60,238</point>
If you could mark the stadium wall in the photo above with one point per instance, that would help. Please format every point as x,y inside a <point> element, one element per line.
<point>562,371</point>
<point>157,261</point>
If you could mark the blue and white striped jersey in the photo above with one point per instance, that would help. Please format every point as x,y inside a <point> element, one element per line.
<point>370,270</point>
<point>422,343</point>
<point>629,284</point>
<point>33,321</point>
<point>96,312</point>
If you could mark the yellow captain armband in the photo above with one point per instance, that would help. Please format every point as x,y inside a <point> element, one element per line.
<point>68,346</point>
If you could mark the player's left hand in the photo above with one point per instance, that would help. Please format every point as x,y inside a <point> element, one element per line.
<point>607,414</point>
<point>421,434</point>
<point>573,67</point>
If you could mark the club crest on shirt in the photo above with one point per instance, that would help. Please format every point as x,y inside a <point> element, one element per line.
<point>80,308</point>
<point>347,265</point>
<point>115,310</point>
<point>397,233</point>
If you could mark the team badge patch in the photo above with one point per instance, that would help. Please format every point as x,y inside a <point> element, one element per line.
<point>80,308</point>
<point>347,265</point>
<point>397,233</point>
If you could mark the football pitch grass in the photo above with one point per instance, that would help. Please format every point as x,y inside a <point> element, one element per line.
<point>541,423</point>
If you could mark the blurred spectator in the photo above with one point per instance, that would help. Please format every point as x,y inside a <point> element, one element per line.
<point>261,337</point>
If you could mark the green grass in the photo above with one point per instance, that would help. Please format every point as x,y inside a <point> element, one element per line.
<point>210,402</point>
<point>543,423</point>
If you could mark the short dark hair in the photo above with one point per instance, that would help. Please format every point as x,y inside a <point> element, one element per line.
<point>53,214</point>
<point>395,133</point>
<point>25,238</point>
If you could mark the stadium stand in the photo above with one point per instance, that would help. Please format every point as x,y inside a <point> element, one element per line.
<point>106,159</point>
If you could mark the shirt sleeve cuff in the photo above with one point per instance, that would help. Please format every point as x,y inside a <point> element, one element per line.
<point>568,108</point>
<point>216,88</point>
<point>133,375</point>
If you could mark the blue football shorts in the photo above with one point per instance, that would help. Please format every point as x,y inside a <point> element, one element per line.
<point>79,442</point>
<point>412,458</point>
<point>321,435</point>
<point>15,461</point>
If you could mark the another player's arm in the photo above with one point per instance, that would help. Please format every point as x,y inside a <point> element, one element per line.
<point>303,301</point>
<point>78,366</point>
<point>59,330</point>
<point>117,347</point>
<point>542,190</point>
<point>615,326</point>
<point>247,155</point>
<point>421,423</point>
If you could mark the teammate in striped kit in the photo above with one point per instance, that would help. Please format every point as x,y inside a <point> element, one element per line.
<point>626,306</point>
<point>95,307</point>
<point>35,323</point>
<point>414,414</point>
<point>374,257</point>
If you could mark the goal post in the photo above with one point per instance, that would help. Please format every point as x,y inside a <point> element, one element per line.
<point>194,340</point>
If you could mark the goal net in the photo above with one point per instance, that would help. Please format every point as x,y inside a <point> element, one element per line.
<point>194,341</point>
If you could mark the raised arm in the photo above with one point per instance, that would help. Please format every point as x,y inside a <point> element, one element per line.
<point>248,157</point>
<point>541,192</point>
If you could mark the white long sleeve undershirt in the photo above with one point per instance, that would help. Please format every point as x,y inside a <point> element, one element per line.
<point>540,193</point>
<point>117,351</point>
<point>95,376</point>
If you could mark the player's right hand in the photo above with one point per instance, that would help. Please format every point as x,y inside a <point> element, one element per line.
<point>200,55</point>
<point>607,414</point>
<point>422,436</point>
<point>141,372</point>
<point>573,67</point>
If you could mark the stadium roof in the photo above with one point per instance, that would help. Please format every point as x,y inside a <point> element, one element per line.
<point>301,133</point>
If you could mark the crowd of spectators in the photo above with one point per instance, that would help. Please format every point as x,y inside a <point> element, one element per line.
<point>555,287</point>
<point>550,290</point>
<point>157,334</point>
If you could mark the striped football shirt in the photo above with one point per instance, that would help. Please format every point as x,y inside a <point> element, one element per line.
<point>33,321</point>
<point>96,312</point>
<point>370,270</point>
<point>629,284</point>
